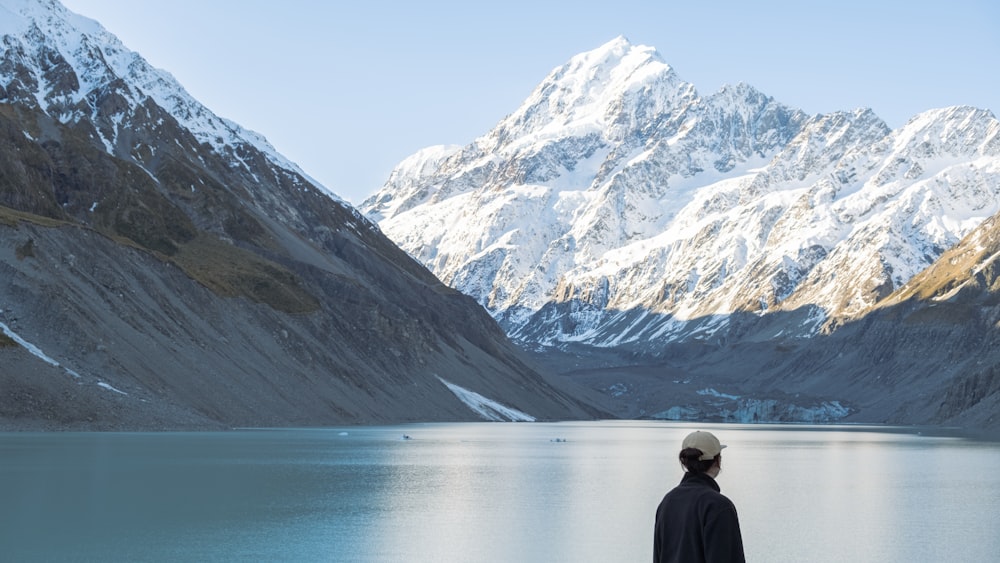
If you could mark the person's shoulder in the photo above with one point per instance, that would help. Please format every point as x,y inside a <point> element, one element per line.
<point>722,501</point>
<point>725,498</point>
<point>716,497</point>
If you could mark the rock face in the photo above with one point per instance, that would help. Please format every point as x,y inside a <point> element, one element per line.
<point>620,215</point>
<point>163,267</point>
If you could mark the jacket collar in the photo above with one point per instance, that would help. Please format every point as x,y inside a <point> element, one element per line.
<point>700,479</point>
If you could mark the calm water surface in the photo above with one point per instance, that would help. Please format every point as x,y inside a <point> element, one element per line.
<point>487,492</point>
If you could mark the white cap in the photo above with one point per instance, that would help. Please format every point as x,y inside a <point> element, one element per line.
<point>704,441</point>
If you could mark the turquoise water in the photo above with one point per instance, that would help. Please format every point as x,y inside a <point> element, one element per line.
<point>487,492</point>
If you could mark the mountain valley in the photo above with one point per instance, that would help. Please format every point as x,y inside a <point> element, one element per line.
<point>620,245</point>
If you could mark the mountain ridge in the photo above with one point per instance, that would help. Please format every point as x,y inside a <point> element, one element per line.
<point>690,222</point>
<point>741,152</point>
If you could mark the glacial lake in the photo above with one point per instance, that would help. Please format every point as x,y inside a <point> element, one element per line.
<point>488,492</point>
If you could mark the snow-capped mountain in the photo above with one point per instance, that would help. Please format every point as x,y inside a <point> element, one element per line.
<point>71,67</point>
<point>163,267</point>
<point>617,206</point>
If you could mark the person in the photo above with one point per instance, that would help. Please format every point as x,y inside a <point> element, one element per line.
<point>695,522</point>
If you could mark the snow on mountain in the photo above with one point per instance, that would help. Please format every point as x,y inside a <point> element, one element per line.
<point>618,205</point>
<point>44,30</point>
<point>486,408</point>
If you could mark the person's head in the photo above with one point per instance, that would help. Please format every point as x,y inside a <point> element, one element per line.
<point>701,452</point>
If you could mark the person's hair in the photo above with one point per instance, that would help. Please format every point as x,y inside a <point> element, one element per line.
<point>689,459</point>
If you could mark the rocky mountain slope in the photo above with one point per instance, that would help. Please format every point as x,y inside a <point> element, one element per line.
<point>620,215</point>
<point>163,267</point>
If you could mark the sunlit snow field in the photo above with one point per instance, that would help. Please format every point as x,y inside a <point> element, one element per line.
<point>487,492</point>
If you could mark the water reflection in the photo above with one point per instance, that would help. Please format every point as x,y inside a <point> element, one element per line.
<point>864,495</point>
<point>487,492</point>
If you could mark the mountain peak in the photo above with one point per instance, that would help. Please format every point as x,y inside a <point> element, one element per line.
<point>594,89</point>
<point>64,61</point>
<point>618,51</point>
<point>954,129</point>
<point>618,56</point>
<point>620,43</point>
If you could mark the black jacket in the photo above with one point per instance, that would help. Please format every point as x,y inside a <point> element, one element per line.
<point>696,523</point>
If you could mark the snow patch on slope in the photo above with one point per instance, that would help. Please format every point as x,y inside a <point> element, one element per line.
<point>488,409</point>
<point>35,350</point>
<point>38,353</point>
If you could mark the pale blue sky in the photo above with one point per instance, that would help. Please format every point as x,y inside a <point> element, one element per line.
<point>348,89</point>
